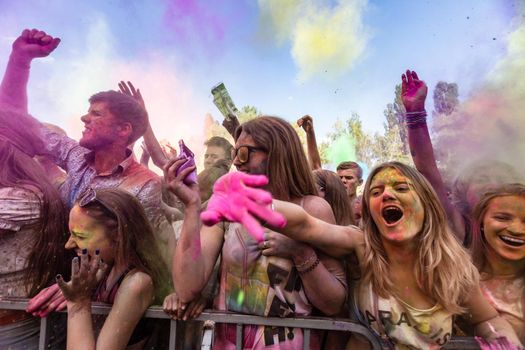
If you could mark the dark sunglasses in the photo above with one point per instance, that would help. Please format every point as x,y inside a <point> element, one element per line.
<point>243,153</point>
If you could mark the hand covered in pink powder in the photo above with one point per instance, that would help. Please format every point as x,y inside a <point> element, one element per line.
<point>48,300</point>
<point>501,343</point>
<point>32,44</point>
<point>236,199</point>
<point>413,92</point>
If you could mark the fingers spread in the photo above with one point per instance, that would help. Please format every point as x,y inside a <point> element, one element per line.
<point>258,195</point>
<point>210,217</point>
<point>253,227</point>
<point>273,218</point>
<point>253,180</point>
<point>75,267</point>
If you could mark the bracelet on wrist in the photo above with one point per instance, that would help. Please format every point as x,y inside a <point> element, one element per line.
<point>307,262</point>
<point>309,268</point>
<point>416,119</point>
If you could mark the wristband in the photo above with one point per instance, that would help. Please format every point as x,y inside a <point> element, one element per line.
<point>416,120</point>
<point>310,268</point>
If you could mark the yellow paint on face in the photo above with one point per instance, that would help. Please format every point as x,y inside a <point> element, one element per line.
<point>391,187</point>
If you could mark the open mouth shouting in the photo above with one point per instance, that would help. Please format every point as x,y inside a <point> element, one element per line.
<point>392,215</point>
<point>512,241</point>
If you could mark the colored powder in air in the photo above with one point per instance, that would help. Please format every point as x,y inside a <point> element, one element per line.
<point>342,149</point>
<point>240,298</point>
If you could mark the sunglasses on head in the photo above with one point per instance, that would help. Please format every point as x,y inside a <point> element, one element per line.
<point>90,196</point>
<point>243,153</point>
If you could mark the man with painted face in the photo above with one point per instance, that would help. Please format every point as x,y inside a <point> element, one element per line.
<point>101,159</point>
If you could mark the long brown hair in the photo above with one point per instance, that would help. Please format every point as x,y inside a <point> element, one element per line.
<point>288,170</point>
<point>127,225</point>
<point>443,269</point>
<point>47,257</point>
<point>336,196</point>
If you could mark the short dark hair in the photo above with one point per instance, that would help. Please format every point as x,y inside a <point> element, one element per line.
<point>217,141</point>
<point>126,109</point>
<point>351,165</point>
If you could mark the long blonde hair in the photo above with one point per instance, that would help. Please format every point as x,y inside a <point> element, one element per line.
<point>443,269</point>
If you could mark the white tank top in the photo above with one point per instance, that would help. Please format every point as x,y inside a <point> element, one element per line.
<point>404,326</point>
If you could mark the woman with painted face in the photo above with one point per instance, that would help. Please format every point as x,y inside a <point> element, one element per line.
<point>117,263</point>
<point>498,250</point>
<point>270,275</point>
<point>32,231</point>
<point>415,274</point>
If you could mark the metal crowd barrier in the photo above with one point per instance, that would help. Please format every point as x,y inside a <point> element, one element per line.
<point>306,323</point>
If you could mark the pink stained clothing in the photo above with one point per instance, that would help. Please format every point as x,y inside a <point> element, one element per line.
<point>19,215</point>
<point>505,294</point>
<point>254,284</point>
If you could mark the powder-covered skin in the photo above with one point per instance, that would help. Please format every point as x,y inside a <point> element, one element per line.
<point>391,188</point>
<point>129,175</point>
<point>233,200</point>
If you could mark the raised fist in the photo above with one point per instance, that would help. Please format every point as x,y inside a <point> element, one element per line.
<point>34,43</point>
<point>306,123</point>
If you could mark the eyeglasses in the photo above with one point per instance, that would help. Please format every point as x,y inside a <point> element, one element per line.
<point>243,153</point>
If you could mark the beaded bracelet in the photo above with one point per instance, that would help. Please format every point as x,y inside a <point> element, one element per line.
<point>310,268</point>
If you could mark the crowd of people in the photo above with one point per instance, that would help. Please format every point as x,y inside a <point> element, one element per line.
<point>413,259</point>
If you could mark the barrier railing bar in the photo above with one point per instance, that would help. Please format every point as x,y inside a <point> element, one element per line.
<point>238,336</point>
<point>239,320</point>
<point>306,339</point>
<point>461,343</point>
<point>173,334</point>
<point>43,337</point>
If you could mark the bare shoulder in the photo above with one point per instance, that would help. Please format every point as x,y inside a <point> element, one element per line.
<point>137,283</point>
<point>319,208</point>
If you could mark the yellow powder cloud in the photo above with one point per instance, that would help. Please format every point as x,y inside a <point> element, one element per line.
<point>325,40</point>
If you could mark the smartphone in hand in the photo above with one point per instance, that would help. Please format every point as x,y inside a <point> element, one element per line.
<point>187,154</point>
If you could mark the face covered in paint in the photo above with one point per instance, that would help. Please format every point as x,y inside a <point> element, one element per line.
<point>88,233</point>
<point>395,206</point>
<point>504,227</point>
<point>100,127</point>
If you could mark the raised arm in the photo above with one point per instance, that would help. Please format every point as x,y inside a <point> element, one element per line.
<point>198,247</point>
<point>307,124</point>
<point>337,241</point>
<point>413,95</point>
<point>153,146</point>
<point>28,46</point>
